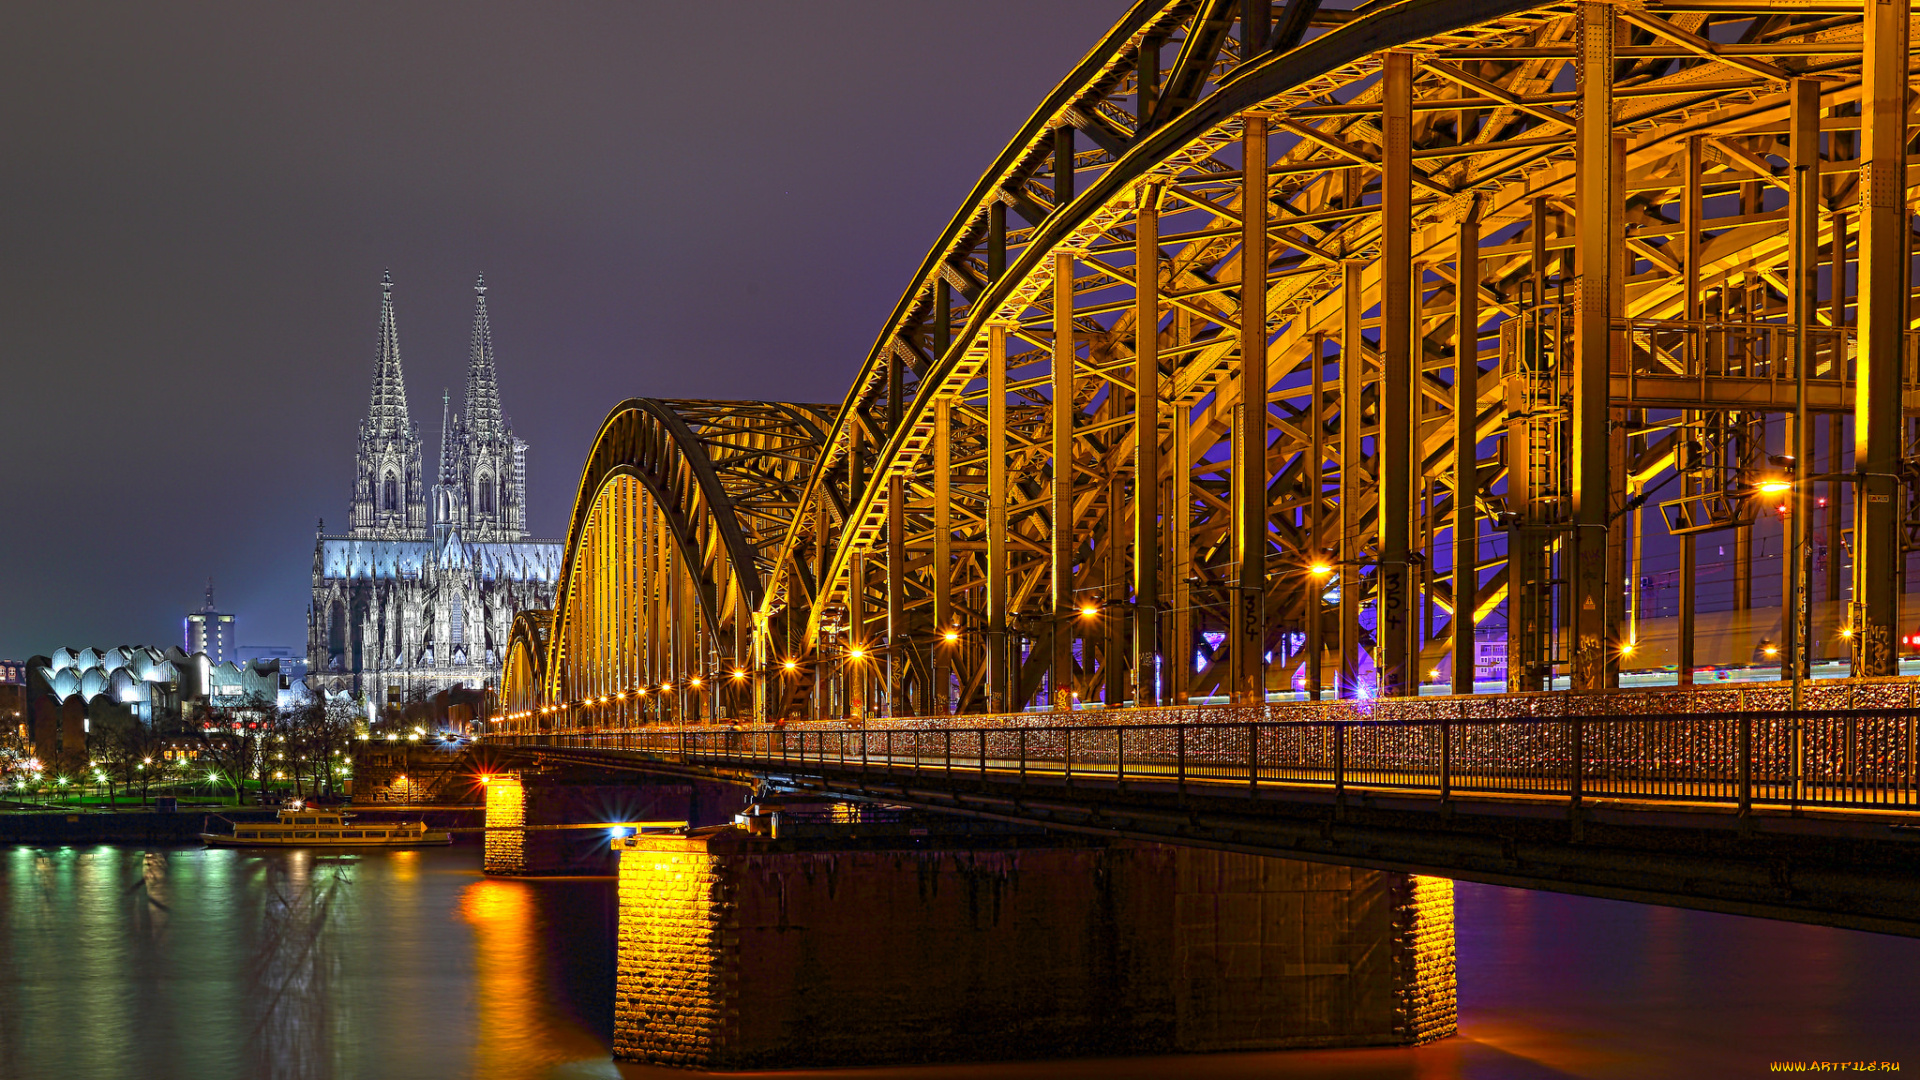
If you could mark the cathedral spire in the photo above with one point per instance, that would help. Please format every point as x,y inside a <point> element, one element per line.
<point>388,413</point>
<point>449,471</point>
<point>482,418</point>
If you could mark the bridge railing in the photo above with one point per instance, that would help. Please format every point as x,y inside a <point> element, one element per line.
<point>1841,759</point>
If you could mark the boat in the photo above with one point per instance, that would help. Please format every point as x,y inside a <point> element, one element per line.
<point>298,825</point>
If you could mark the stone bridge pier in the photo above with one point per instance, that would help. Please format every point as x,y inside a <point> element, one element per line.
<point>835,943</point>
<point>558,822</point>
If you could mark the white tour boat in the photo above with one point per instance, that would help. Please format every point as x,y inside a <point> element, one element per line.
<point>300,826</point>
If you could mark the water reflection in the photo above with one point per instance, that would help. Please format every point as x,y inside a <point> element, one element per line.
<point>186,963</point>
<point>522,982</point>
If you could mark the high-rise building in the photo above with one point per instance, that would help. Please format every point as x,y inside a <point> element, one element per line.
<point>211,631</point>
<point>420,593</point>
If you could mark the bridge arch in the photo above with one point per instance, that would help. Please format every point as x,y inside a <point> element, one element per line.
<point>680,504</point>
<point>969,546</point>
<point>523,672</point>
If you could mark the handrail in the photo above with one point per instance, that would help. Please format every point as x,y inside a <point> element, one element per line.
<point>1857,758</point>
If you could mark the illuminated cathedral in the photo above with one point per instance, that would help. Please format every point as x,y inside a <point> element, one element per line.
<point>420,592</point>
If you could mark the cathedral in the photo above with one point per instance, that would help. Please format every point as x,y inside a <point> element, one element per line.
<point>419,593</point>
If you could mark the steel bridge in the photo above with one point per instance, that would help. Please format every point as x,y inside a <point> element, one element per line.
<point>1511,273</point>
<point>1522,269</point>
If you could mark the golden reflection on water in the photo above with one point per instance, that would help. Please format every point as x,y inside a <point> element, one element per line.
<point>518,1032</point>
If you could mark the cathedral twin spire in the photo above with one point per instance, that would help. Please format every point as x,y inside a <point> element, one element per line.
<point>483,392</point>
<point>482,484</point>
<point>389,412</point>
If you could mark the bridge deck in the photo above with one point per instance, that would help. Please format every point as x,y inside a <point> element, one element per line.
<point>1811,816</point>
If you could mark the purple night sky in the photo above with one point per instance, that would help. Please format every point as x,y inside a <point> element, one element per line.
<point>675,200</point>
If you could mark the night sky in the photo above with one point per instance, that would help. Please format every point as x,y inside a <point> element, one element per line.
<point>679,200</point>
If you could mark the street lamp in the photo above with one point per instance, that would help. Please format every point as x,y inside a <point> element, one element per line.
<point>1798,624</point>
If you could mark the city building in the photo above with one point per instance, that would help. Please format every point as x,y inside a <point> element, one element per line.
<point>74,691</point>
<point>212,631</point>
<point>293,662</point>
<point>13,699</point>
<point>418,595</point>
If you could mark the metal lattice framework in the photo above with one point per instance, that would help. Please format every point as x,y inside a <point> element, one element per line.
<point>1520,267</point>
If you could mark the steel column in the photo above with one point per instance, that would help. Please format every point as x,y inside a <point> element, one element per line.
<point>1315,476</point>
<point>1179,561</point>
<point>1247,623</point>
<point>1692,197</point>
<point>1803,279</point>
<point>1466,456</point>
<point>899,641</point>
<point>1351,483</point>
<point>1877,451</point>
<point>1398,433</point>
<point>856,670</point>
<point>995,572</point>
<point>1062,539</point>
<point>1598,237</point>
<point>1146,445</point>
<point>944,652</point>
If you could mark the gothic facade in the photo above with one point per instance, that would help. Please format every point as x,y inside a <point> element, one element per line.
<point>420,593</point>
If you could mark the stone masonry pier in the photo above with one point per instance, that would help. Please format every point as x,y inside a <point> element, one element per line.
<point>742,950</point>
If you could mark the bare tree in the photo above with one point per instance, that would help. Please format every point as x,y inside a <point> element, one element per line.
<point>229,757</point>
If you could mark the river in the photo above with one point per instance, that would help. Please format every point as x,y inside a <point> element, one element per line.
<point>212,964</point>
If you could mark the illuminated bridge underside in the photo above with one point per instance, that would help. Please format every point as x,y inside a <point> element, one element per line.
<point>1518,267</point>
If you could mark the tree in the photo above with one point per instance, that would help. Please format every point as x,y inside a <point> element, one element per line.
<point>261,713</point>
<point>326,731</point>
<point>228,757</point>
<point>124,752</point>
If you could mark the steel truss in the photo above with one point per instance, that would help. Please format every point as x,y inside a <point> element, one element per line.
<point>1520,270</point>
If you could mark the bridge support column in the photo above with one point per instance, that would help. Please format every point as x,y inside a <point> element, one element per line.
<point>1062,543</point>
<point>1597,244</point>
<point>505,854</point>
<point>998,657</point>
<point>1247,619</point>
<point>1352,376</point>
<point>1466,453</point>
<point>737,954</point>
<point>1400,377</point>
<point>1878,505</point>
<point>1146,447</point>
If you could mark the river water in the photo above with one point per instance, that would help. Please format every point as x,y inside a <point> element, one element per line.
<point>213,964</point>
